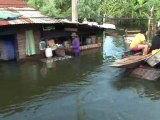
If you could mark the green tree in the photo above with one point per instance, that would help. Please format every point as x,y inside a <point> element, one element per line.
<point>64,7</point>
<point>52,8</point>
<point>156,5</point>
<point>89,9</point>
<point>124,8</point>
<point>36,3</point>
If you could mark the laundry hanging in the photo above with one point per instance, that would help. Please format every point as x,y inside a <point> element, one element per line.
<point>30,44</point>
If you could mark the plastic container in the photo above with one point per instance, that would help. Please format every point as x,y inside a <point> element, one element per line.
<point>42,45</point>
<point>48,52</point>
<point>88,41</point>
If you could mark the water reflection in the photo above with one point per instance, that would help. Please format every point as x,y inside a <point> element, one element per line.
<point>22,82</point>
<point>112,49</point>
<point>80,88</point>
<point>143,88</point>
<point>76,65</point>
<point>43,70</point>
<point>47,65</point>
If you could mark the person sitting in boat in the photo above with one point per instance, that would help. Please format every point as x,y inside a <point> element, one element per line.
<point>155,44</point>
<point>139,43</point>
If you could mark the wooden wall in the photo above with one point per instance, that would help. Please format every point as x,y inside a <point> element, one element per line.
<point>21,51</point>
<point>21,45</point>
<point>37,37</point>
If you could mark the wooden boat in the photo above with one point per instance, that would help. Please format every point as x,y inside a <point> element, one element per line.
<point>131,61</point>
<point>146,73</point>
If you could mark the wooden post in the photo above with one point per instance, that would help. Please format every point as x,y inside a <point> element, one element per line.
<point>104,18</point>
<point>74,11</point>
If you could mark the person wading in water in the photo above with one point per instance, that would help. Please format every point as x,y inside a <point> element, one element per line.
<point>75,45</point>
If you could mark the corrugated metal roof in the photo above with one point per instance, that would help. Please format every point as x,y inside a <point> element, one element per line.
<point>29,16</point>
<point>12,3</point>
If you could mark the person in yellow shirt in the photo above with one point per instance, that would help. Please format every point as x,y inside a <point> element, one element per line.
<point>139,43</point>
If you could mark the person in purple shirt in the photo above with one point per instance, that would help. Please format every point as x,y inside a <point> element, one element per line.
<point>75,44</point>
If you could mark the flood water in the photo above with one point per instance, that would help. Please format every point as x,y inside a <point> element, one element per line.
<point>80,88</point>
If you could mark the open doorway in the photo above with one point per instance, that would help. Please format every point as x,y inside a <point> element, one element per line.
<point>7,47</point>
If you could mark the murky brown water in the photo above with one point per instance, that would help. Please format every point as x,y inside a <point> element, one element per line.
<point>82,88</point>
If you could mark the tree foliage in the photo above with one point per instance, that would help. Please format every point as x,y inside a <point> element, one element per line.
<point>91,9</point>
<point>52,8</point>
<point>124,8</point>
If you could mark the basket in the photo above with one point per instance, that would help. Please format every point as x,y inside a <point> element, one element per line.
<point>60,52</point>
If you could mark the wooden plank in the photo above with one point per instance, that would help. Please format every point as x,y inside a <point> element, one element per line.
<point>130,61</point>
<point>71,29</point>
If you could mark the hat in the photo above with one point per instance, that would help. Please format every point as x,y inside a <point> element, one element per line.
<point>74,35</point>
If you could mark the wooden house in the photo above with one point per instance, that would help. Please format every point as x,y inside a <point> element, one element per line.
<point>22,28</point>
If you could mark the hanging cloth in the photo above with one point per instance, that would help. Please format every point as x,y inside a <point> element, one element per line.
<point>30,44</point>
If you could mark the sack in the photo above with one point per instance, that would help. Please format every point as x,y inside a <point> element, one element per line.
<point>51,42</point>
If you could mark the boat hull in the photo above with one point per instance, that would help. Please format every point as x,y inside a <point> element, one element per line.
<point>130,61</point>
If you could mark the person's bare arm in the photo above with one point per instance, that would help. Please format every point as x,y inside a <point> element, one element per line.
<point>145,43</point>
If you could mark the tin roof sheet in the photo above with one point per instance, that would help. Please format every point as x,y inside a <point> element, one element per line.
<point>29,16</point>
<point>12,3</point>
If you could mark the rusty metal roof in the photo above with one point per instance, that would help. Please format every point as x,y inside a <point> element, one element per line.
<point>28,16</point>
<point>12,3</point>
